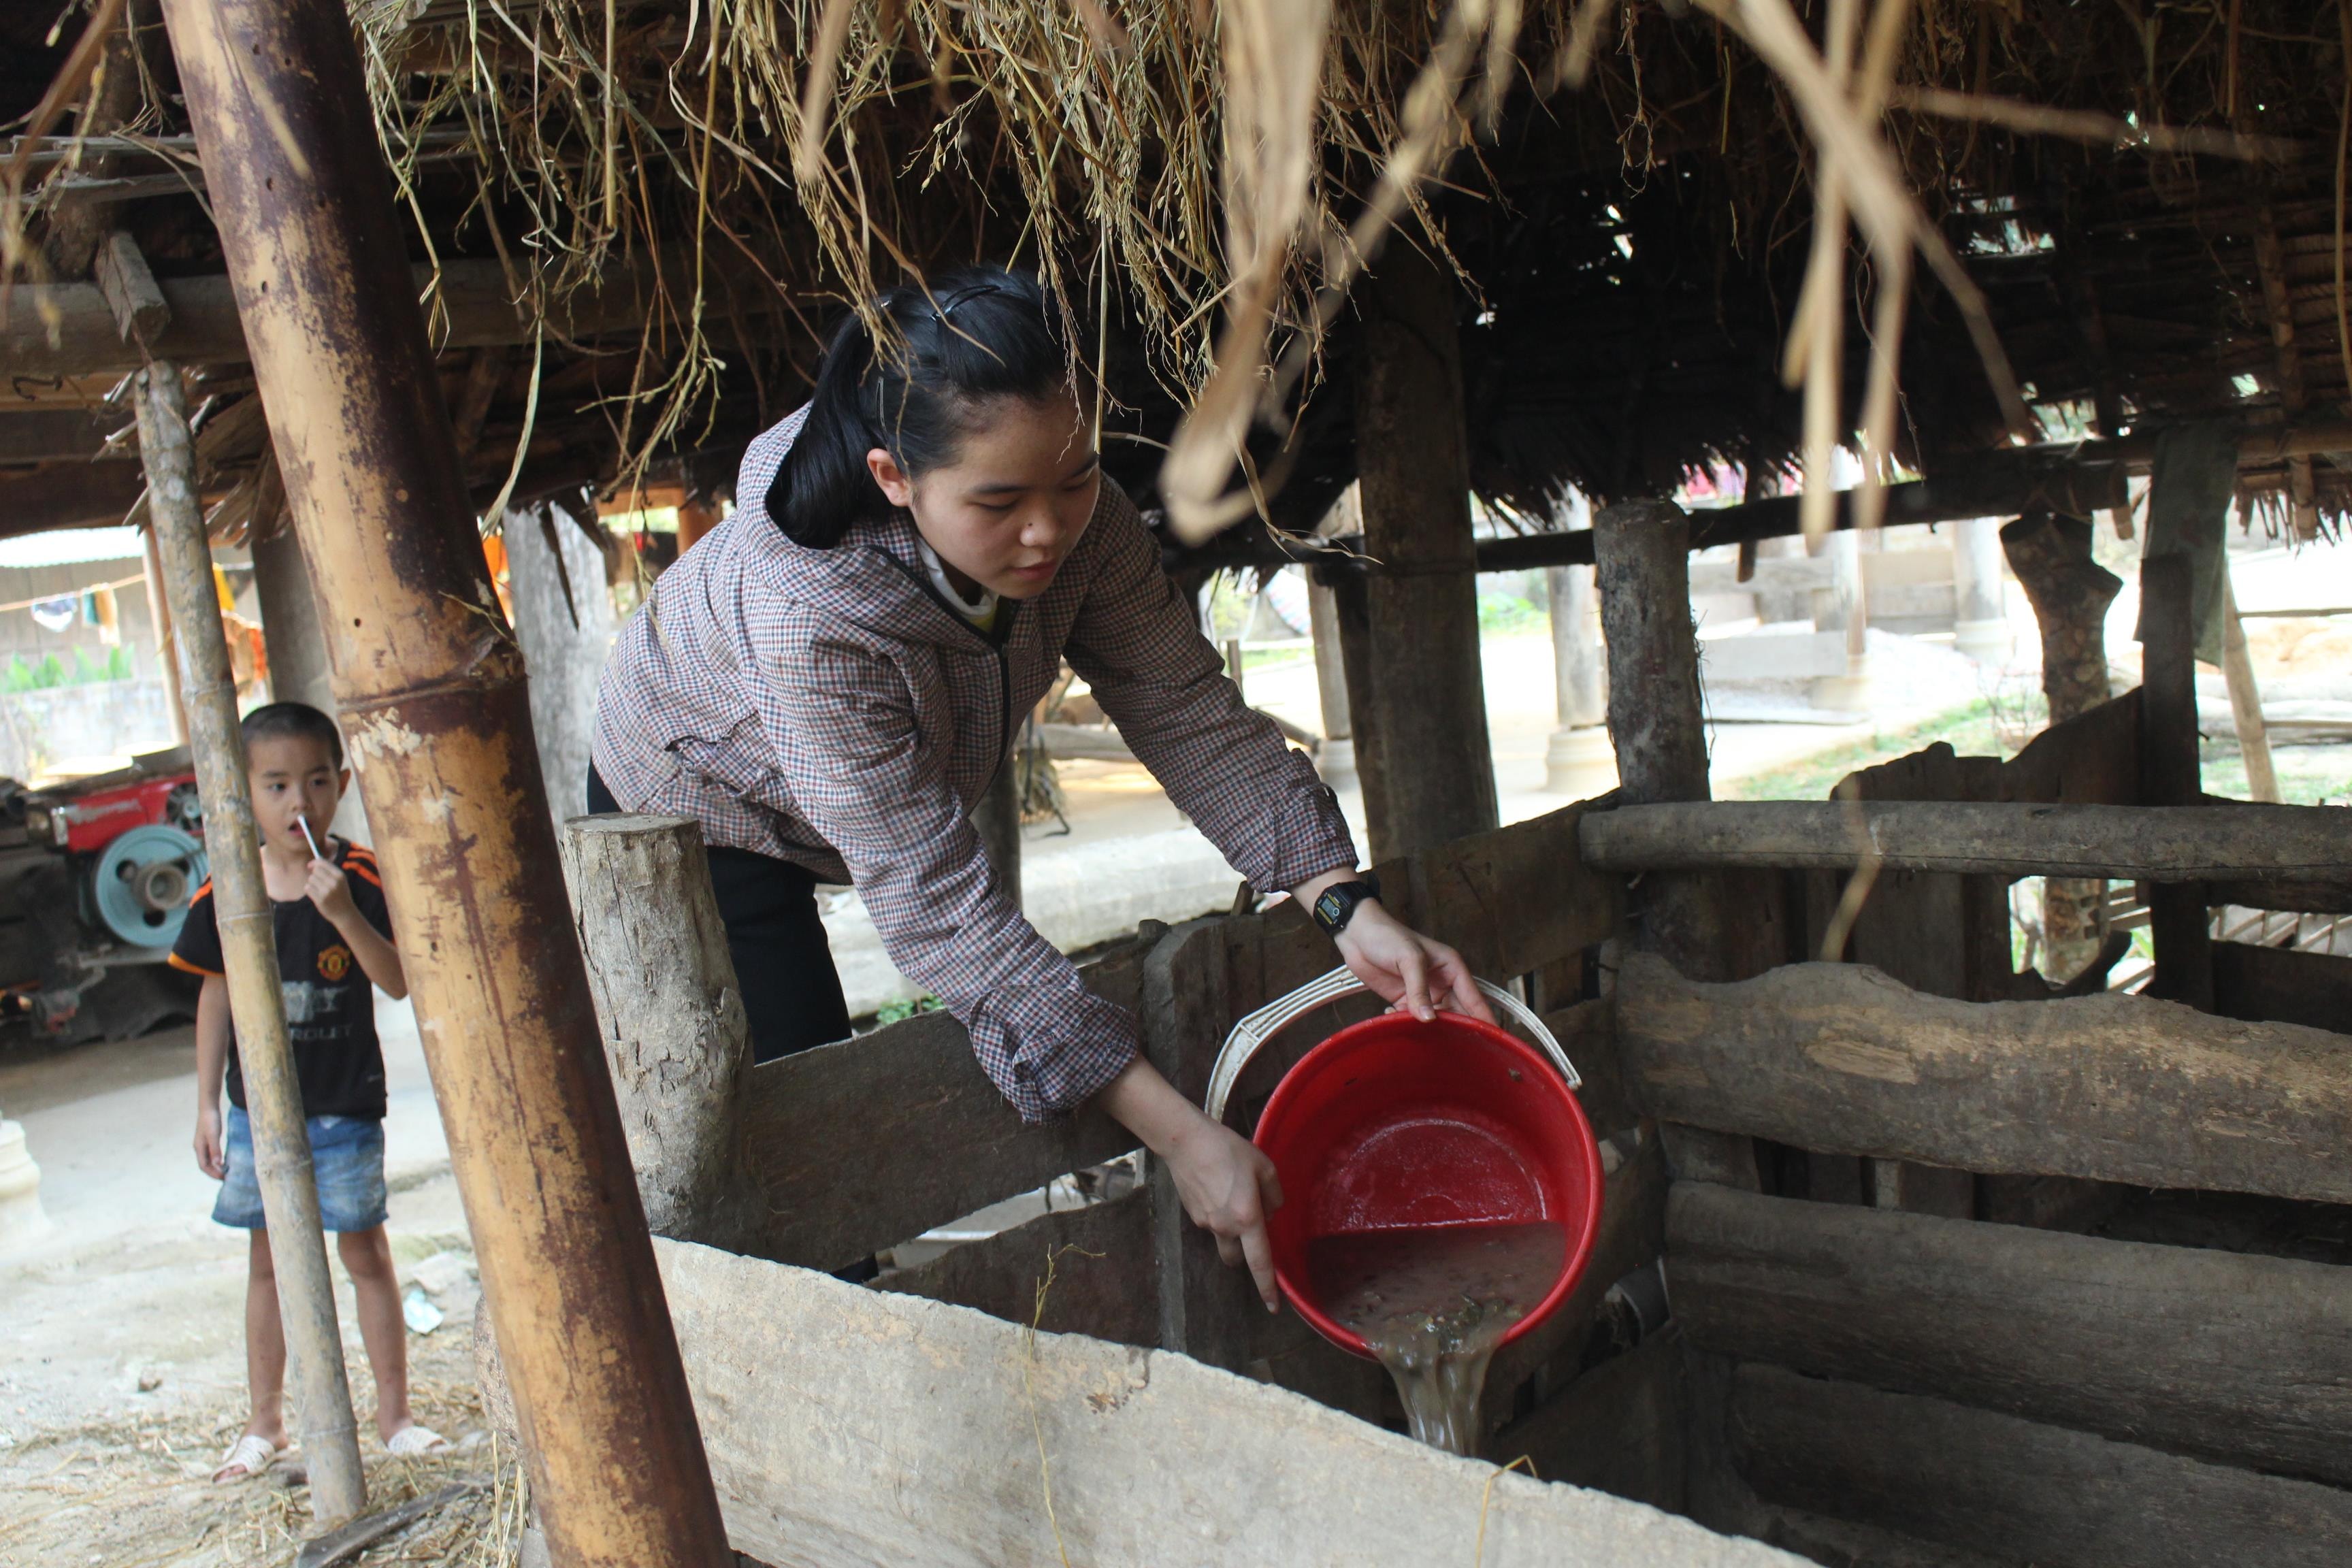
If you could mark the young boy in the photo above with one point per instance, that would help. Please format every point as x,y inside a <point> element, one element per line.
<point>332,932</point>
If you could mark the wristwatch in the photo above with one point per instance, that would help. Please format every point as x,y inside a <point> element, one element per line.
<point>1335,905</point>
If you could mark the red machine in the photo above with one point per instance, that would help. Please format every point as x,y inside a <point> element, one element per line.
<point>95,878</point>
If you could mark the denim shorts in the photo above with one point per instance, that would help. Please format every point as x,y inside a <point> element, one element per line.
<point>346,1155</point>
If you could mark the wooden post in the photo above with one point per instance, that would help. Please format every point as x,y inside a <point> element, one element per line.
<point>298,644</point>
<point>1581,744</point>
<point>1642,554</point>
<point>2245,697</point>
<point>563,619</point>
<point>159,610</point>
<point>281,1141</point>
<point>672,1017</point>
<point>433,694</point>
<point>1847,609</point>
<point>1415,691</point>
<point>697,514</point>
<point>1980,622</point>
<point>2178,920</point>
<point>1336,760</point>
<point>2070,594</point>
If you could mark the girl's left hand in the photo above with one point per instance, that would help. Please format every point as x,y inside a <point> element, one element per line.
<point>1406,969</point>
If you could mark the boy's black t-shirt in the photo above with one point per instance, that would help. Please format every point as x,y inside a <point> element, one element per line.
<point>330,1012</point>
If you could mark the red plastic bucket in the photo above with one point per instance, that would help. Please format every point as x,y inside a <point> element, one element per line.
<point>1394,1124</point>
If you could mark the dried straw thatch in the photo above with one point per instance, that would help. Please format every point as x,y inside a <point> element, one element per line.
<point>2033,218</point>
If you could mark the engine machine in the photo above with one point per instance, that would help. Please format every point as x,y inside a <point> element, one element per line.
<point>95,878</point>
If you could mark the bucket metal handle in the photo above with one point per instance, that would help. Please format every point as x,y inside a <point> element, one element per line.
<point>1256,1029</point>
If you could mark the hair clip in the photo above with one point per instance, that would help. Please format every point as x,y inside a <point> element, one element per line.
<point>945,308</point>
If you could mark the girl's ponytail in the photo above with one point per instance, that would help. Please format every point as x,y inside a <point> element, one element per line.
<point>975,334</point>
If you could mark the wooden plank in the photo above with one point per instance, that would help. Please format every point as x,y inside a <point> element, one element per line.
<point>1518,898</point>
<point>2014,1489</point>
<point>1839,1058</point>
<point>2163,844</point>
<point>1098,1257</point>
<point>2280,985</point>
<point>904,1124</point>
<point>850,1427</point>
<point>2092,759</point>
<point>2241,1359</point>
<point>2177,921</point>
<point>2317,896</point>
<point>1619,1428</point>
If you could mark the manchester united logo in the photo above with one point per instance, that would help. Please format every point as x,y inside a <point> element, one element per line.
<point>335,962</point>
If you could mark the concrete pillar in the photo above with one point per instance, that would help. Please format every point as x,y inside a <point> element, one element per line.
<point>1336,761</point>
<point>1415,692</point>
<point>563,619</point>
<point>1980,624</point>
<point>22,1220</point>
<point>1843,606</point>
<point>297,646</point>
<point>1580,744</point>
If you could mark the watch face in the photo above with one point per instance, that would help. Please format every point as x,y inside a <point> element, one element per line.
<point>1330,909</point>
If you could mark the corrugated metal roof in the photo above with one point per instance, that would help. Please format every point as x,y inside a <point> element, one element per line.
<point>69,547</point>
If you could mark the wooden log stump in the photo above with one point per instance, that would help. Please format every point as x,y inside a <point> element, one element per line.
<point>672,1018</point>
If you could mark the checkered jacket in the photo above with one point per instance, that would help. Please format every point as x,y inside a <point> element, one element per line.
<point>827,707</point>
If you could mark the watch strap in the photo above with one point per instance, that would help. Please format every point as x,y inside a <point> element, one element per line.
<point>1335,905</point>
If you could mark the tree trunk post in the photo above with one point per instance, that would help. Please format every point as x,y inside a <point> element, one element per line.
<point>2245,699</point>
<point>671,1013</point>
<point>2070,594</point>
<point>1581,744</point>
<point>1980,619</point>
<point>1642,554</point>
<point>1416,694</point>
<point>281,1139</point>
<point>1337,760</point>
<point>2177,919</point>
<point>563,619</point>
<point>433,695</point>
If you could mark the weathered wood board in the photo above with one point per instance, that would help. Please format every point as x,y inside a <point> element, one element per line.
<point>2161,843</point>
<point>1619,1428</point>
<point>862,1144</point>
<point>2018,1489</point>
<point>846,1426</point>
<point>1839,1058</point>
<point>1083,1270</point>
<point>2278,984</point>
<point>2240,1359</point>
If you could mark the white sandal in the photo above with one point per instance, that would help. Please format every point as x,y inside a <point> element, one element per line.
<point>414,1442</point>
<point>251,1455</point>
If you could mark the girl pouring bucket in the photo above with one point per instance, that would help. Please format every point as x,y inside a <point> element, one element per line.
<point>830,680</point>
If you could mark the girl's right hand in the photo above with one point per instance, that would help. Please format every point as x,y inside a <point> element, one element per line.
<point>210,1158</point>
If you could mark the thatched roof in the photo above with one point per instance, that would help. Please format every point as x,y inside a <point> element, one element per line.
<point>1634,246</point>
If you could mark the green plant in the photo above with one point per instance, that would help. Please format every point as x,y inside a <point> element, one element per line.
<point>899,1012</point>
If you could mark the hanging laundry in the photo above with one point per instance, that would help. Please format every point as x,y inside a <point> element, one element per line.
<point>56,614</point>
<point>99,610</point>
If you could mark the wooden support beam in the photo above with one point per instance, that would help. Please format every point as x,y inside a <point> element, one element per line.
<point>1838,1058</point>
<point>140,311</point>
<point>1084,1270</point>
<point>1416,701</point>
<point>281,1139</point>
<point>2245,699</point>
<point>2219,1355</point>
<point>2280,985</point>
<point>68,495</point>
<point>433,701</point>
<point>2017,1490</point>
<point>2252,844</point>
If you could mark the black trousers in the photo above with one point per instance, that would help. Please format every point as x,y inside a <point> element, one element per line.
<point>791,993</point>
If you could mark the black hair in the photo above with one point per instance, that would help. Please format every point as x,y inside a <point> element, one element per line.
<point>967,337</point>
<point>292,721</point>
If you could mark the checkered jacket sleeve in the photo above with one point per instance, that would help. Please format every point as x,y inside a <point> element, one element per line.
<point>862,774</point>
<point>1138,643</point>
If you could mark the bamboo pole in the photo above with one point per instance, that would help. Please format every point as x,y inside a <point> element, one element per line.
<point>281,1143</point>
<point>159,610</point>
<point>431,688</point>
<point>2245,699</point>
